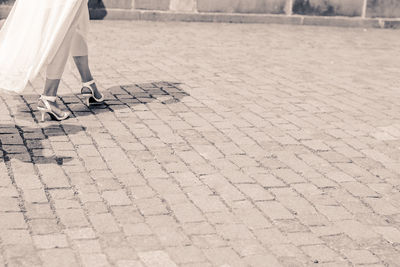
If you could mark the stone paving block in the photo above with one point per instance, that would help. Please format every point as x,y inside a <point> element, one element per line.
<point>187,212</point>
<point>275,210</point>
<point>116,198</point>
<point>145,243</point>
<point>198,228</point>
<point>234,232</point>
<point>361,257</point>
<point>321,253</point>
<point>298,205</point>
<point>87,246</point>
<point>304,238</point>
<point>114,239</point>
<point>151,206</point>
<point>137,229</point>
<point>186,255</point>
<point>72,217</point>
<point>12,220</point>
<point>50,241</point>
<point>96,259</point>
<point>39,211</point>
<point>13,237</point>
<point>35,195</point>
<point>44,226</point>
<point>356,230</point>
<point>104,223</point>
<point>265,259</point>
<point>127,214</point>
<point>252,218</point>
<point>382,206</point>
<point>334,213</point>
<point>391,234</point>
<point>80,233</point>
<point>156,258</point>
<point>129,263</point>
<point>9,204</point>
<point>171,237</point>
<point>58,257</point>
<point>271,236</point>
<point>223,256</point>
<point>120,253</point>
<point>288,176</point>
<point>255,192</point>
<point>359,189</point>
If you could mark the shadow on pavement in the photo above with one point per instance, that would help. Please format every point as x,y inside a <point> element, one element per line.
<point>28,144</point>
<point>127,96</point>
<point>116,98</point>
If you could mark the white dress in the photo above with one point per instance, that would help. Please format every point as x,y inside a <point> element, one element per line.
<point>30,37</point>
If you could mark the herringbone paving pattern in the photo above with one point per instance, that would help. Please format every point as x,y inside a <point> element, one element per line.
<point>219,145</point>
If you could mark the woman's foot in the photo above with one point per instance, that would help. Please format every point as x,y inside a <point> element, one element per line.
<point>48,104</point>
<point>90,89</point>
<point>96,91</point>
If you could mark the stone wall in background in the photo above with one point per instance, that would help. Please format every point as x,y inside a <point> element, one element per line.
<point>242,6</point>
<point>383,8</point>
<point>348,8</point>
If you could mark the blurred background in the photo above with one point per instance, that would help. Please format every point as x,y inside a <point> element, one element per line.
<point>100,9</point>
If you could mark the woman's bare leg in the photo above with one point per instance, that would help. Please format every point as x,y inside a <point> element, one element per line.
<point>51,87</point>
<point>82,63</point>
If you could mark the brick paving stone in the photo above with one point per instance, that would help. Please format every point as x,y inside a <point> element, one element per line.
<point>116,198</point>
<point>12,220</point>
<point>104,223</point>
<point>169,237</point>
<point>210,150</point>
<point>361,257</point>
<point>264,259</point>
<point>9,204</point>
<point>58,257</point>
<point>156,258</point>
<point>72,217</point>
<point>50,241</point>
<point>115,254</point>
<point>187,254</point>
<point>44,226</point>
<point>80,233</point>
<point>129,263</point>
<point>96,259</point>
<point>321,253</point>
<point>13,237</point>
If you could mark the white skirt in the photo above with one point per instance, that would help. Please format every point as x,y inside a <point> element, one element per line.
<point>30,37</point>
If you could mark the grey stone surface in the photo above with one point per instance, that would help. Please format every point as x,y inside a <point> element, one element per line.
<point>279,147</point>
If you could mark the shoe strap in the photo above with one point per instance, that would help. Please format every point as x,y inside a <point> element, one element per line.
<point>46,99</point>
<point>88,84</point>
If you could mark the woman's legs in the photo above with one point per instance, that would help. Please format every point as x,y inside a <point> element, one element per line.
<point>74,43</point>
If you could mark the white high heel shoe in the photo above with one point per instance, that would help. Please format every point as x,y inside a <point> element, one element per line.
<point>91,100</point>
<point>47,109</point>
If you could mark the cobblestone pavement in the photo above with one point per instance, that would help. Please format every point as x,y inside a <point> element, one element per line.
<point>220,145</point>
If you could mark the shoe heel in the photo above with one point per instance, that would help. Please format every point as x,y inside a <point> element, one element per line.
<point>42,113</point>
